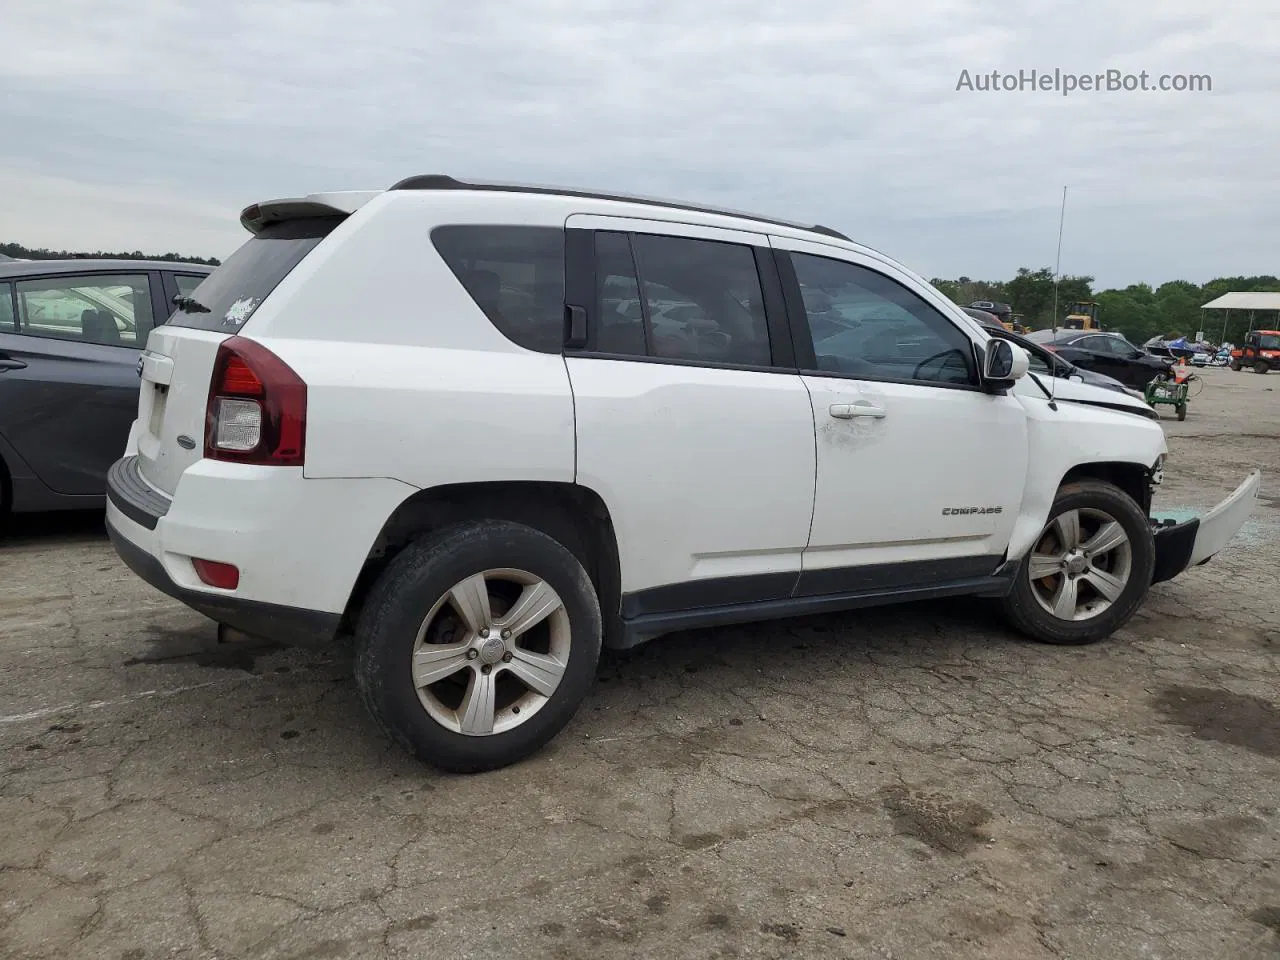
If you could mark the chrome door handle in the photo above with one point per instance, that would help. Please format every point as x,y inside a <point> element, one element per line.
<point>847,411</point>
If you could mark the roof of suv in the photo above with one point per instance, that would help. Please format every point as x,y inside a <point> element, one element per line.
<point>339,204</point>
<point>16,269</point>
<point>258,215</point>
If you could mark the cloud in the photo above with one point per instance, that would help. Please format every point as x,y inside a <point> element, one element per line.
<point>841,112</point>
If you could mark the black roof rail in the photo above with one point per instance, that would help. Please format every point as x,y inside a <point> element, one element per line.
<point>442,181</point>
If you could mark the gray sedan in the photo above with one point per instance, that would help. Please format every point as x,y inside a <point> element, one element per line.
<point>71,335</point>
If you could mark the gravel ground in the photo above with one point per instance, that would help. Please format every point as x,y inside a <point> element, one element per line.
<point>910,782</point>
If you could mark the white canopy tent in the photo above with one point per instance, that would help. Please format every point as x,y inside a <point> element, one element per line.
<point>1249,301</point>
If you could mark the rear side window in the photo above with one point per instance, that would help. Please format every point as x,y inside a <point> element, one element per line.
<point>515,274</point>
<point>229,296</point>
<point>108,309</point>
<point>6,309</point>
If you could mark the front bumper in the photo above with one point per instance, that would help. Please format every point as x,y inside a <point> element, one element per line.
<point>1196,541</point>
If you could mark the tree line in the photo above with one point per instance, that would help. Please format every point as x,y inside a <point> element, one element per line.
<point>18,252</point>
<point>1139,311</point>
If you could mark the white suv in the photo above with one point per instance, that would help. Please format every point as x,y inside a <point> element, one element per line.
<point>488,428</point>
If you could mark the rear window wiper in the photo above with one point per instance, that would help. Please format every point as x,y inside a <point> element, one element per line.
<point>189,304</point>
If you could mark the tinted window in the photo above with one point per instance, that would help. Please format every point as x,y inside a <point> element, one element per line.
<point>105,309</point>
<point>619,324</point>
<point>1094,344</point>
<point>186,284</point>
<point>868,326</point>
<point>229,296</point>
<point>1123,348</point>
<point>7,324</point>
<point>703,300</point>
<point>1112,346</point>
<point>515,275</point>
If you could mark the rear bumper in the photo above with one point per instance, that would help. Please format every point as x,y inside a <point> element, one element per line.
<point>1196,541</point>
<point>299,544</point>
<point>288,625</point>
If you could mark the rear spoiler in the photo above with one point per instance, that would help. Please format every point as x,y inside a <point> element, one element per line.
<point>338,204</point>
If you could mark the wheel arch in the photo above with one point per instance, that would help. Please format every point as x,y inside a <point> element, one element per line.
<point>1045,479</point>
<point>1132,478</point>
<point>574,515</point>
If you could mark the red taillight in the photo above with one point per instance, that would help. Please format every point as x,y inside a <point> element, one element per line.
<point>239,380</point>
<point>1051,349</point>
<point>221,575</point>
<point>257,409</point>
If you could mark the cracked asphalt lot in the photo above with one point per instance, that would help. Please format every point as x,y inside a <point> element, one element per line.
<point>908,782</point>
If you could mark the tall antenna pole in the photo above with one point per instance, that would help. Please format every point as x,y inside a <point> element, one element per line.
<point>1057,275</point>
<point>1057,267</point>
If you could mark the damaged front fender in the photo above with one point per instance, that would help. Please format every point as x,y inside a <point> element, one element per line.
<point>1196,541</point>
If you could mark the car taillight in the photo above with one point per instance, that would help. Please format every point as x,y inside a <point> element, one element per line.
<point>257,409</point>
<point>1051,349</point>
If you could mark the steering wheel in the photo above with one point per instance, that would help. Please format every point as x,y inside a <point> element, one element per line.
<point>944,356</point>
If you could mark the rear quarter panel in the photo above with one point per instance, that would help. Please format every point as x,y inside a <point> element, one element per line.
<point>406,377</point>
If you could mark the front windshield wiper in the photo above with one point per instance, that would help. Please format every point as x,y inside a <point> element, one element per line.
<point>189,304</point>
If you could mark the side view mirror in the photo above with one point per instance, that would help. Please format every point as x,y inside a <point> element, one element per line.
<point>1004,363</point>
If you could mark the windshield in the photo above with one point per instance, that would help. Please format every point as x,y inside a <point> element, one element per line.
<point>1269,341</point>
<point>228,297</point>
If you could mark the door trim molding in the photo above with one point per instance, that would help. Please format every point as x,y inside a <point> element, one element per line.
<point>720,601</point>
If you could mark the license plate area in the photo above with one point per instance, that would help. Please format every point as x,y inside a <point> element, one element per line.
<point>159,393</point>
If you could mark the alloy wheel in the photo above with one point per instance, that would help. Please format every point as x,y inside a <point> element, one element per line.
<point>1081,564</point>
<point>491,652</point>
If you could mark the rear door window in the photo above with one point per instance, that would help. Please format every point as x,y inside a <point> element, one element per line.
<point>679,298</point>
<point>703,300</point>
<point>227,298</point>
<point>515,274</point>
<point>112,310</point>
<point>620,325</point>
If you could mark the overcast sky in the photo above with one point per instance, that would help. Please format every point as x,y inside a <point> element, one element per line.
<point>151,123</point>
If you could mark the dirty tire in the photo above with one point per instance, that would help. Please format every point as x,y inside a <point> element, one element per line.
<point>1235,366</point>
<point>1261,367</point>
<point>416,579</point>
<point>1181,410</point>
<point>1023,610</point>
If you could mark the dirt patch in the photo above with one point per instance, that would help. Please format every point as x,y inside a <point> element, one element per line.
<point>937,820</point>
<point>1224,717</point>
<point>783,931</point>
<point>1268,917</point>
<point>1220,839</point>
